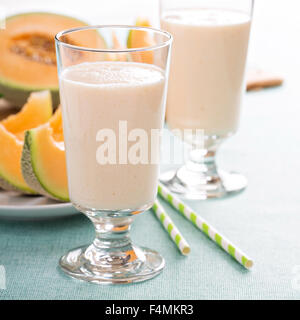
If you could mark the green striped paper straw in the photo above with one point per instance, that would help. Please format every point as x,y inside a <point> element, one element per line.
<point>170,227</point>
<point>204,226</point>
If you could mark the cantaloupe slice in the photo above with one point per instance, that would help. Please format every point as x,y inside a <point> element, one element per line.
<point>43,159</point>
<point>28,59</point>
<point>36,111</point>
<point>141,39</point>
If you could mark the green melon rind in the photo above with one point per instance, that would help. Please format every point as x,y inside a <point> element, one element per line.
<point>7,184</point>
<point>29,171</point>
<point>11,186</point>
<point>18,93</point>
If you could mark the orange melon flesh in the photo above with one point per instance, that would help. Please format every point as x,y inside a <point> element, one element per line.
<point>28,58</point>
<point>10,171</point>
<point>38,110</point>
<point>44,160</point>
<point>33,27</point>
<point>30,115</point>
<point>141,39</point>
<point>56,125</point>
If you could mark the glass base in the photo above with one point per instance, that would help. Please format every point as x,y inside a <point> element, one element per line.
<point>198,186</point>
<point>86,263</point>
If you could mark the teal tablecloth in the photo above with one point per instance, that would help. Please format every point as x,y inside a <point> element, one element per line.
<point>264,220</point>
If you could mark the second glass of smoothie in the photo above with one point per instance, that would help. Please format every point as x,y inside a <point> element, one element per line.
<point>112,100</point>
<point>205,88</point>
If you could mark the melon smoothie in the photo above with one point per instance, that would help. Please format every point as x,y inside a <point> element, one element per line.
<point>207,69</point>
<point>112,113</point>
<point>205,88</point>
<point>96,96</point>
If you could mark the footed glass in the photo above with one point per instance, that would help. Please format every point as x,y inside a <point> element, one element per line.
<point>112,97</point>
<point>205,88</point>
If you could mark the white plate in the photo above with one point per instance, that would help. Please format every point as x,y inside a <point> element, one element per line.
<point>17,206</point>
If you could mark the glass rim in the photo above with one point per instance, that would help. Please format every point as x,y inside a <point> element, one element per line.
<point>163,44</point>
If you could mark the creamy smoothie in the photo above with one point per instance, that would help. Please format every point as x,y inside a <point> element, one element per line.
<point>207,68</point>
<point>96,96</point>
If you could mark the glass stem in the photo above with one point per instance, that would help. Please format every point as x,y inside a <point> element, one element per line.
<point>112,232</point>
<point>203,162</point>
<point>112,244</point>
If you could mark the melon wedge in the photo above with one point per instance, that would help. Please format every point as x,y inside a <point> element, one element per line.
<point>141,39</point>
<point>36,111</point>
<point>28,59</point>
<point>43,159</point>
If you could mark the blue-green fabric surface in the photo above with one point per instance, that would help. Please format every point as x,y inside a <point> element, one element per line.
<point>264,220</point>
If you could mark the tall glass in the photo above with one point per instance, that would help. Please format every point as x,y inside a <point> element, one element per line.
<point>205,88</point>
<point>112,99</point>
